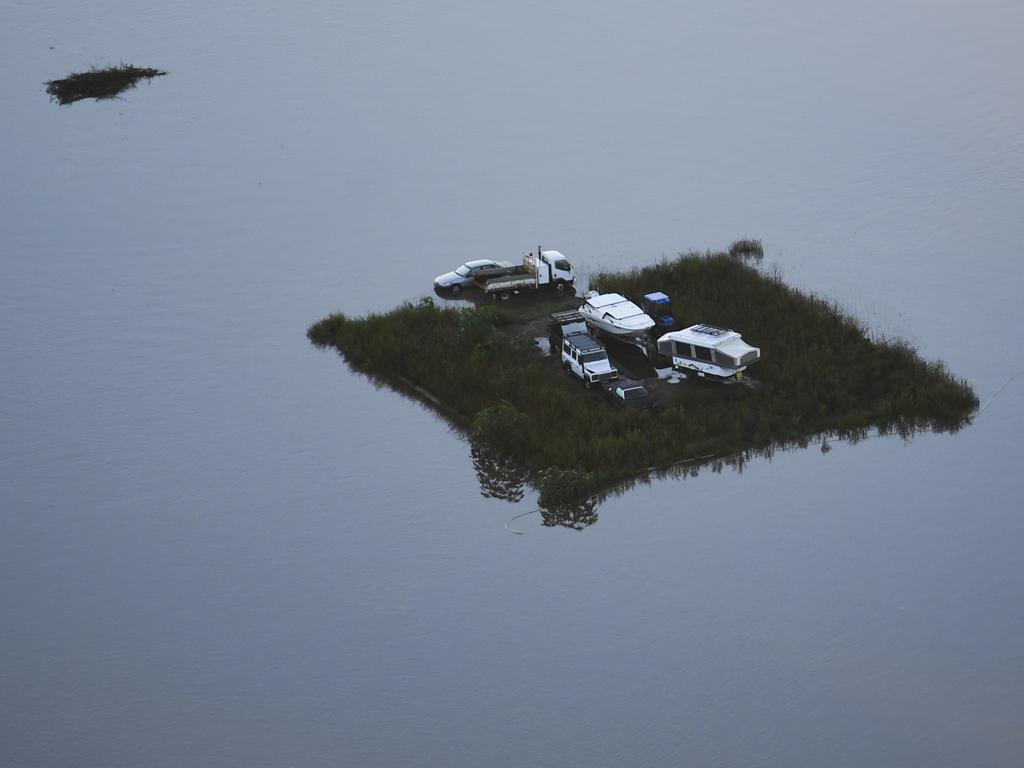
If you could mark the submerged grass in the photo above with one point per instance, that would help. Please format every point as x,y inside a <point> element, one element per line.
<point>747,249</point>
<point>104,83</point>
<point>820,373</point>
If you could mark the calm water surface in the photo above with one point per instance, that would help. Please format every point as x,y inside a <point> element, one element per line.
<point>220,547</point>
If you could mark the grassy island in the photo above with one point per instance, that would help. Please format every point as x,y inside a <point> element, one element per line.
<point>822,375</point>
<point>105,83</point>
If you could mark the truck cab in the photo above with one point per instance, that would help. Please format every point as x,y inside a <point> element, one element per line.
<point>551,268</point>
<point>587,359</point>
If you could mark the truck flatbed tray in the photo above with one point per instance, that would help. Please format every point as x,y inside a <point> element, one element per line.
<point>509,282</point>
<point>484,275</point>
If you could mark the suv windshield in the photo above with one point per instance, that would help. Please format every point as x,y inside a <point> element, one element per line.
<point>593,357</point>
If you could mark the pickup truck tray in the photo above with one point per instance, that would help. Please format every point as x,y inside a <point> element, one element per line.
<point>505,278</point>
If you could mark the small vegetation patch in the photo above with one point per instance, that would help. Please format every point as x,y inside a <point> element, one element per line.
<point>747,249</point>
<point>98,83</point>
<point>821,375</point>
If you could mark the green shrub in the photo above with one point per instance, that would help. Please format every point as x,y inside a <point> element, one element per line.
<point>97,84</point>
<point>747,249</point>
<point>502,429</point>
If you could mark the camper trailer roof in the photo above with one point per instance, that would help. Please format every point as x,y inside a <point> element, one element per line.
<point>708,330</point>
<point>705,336</point>
<point>736,347</point>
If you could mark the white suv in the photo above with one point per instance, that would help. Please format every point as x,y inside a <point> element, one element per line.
<point>587,359</point>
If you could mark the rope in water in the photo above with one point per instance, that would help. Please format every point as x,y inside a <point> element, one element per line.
<point>513,519</point>
<point>1005,384</point>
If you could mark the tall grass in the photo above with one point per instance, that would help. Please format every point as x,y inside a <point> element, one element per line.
<point>747,249</point>
<point>820,374</point>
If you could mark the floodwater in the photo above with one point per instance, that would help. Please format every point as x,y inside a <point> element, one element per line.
<point>219,546</point>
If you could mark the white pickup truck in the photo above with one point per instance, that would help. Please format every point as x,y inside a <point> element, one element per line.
<point>587,359</point>
<point>538,270</point>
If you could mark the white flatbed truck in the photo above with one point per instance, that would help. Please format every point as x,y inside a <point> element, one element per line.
<point>544,269</point>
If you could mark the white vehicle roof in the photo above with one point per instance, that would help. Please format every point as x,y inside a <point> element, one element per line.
<point>729,341</point>
<point>553,255</point>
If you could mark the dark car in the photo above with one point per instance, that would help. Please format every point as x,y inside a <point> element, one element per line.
<point>630,394</point>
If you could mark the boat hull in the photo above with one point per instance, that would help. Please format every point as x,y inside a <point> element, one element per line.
<point>633,332</point>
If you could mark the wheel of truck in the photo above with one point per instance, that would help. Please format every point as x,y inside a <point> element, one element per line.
<point>456,289</point>
<point>505,295</point>
<point>588,383</point>
<point>567,368</point>
<point>560,286</point>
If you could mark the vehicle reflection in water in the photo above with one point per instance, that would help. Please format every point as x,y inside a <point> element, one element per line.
<point>465,298</point>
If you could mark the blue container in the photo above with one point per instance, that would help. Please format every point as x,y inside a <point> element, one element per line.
<point>659,306</point>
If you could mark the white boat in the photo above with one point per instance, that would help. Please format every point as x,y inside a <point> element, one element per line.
<point>616,315</point>
<point>708,351</point>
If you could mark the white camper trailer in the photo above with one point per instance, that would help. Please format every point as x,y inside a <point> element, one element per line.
<point>708,351</point>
